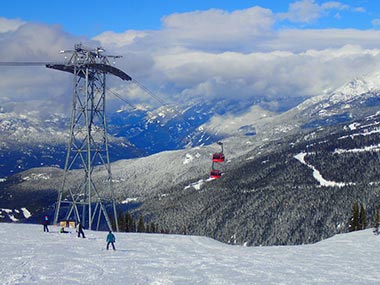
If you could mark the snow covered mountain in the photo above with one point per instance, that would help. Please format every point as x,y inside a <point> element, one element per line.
<point>357,99</point>
<point>28,140</point>
<point>291,182</point>
<point>31,256</point>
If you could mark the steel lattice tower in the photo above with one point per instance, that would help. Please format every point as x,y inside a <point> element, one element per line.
<point>88,144</point>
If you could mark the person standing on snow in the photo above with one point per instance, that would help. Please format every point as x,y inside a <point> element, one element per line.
<point>110,240</point>
<point>80,230</point>
<point>46,222</point>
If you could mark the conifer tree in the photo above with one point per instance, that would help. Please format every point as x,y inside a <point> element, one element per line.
<point>376,222</point>
<point>113,222</point>
<point>141,225</point>
<point>134,227</point>
<point>377,218</point>
<point>354,221</point>
<point>362,218</point>
<point>129,222</point>
<point>121,222</point>
<point>152,227</point>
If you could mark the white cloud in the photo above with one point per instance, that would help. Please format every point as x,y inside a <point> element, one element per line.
<point>213,29</point>
<point>359,9</point>
<point>375,22</point>
<point>220,24</point>
<point>307,11</point>
<point>334,5</point>
<point>34,87</point>
<point>10,25</point>
<point>270,74</point>
<point>299,40</point>
<point>232,123</point>
<point>304,11</point>
<point>120,39</point>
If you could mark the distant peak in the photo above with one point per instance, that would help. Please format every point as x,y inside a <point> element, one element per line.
<point>361,85</point>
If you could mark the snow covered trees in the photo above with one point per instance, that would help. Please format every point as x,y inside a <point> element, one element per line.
<point>358,220</point>
<point>127,223</point>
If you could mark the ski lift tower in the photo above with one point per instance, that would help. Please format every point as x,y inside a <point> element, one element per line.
<point>88,144</point>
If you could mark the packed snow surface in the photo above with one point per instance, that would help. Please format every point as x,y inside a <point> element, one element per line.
<point>30,256</point>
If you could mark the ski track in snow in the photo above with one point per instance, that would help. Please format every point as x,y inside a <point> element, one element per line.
<point>30,256</point>
<point>317,175</point>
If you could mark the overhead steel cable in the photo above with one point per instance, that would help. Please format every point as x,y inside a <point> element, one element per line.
<point>159,99</point>
<point>174,109</point>
<point>122,99</point>
<point>150,93</point>
<point>24,63</point>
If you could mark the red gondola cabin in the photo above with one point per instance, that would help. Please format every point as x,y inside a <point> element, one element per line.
<point>218,157</point>
<point>215,174</point>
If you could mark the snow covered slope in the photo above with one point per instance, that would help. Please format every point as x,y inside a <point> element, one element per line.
<point>30,256</point>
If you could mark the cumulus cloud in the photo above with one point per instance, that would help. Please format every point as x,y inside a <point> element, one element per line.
<point>202,55</point>
<point>302,11</point>
<point>120,39</point>
<point>10,25</point>
<point>299,40</point>
<point>271,74</point>
<point>34,87</point>
<point>215,27</point>
<point>334,5</point>
<point>214,30</point>
<point>307,11</point>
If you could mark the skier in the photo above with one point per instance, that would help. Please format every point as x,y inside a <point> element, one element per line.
<point>46,222</point>
<point>110,240</point>
<point>80,230</point>
<point>62,231</point>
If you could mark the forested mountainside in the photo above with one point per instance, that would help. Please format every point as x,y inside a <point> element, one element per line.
<point>293,191</point>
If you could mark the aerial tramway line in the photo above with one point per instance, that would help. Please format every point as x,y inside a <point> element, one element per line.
<point>88,141</point>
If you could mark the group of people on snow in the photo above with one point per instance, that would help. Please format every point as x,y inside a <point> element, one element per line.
<point>79,228</point>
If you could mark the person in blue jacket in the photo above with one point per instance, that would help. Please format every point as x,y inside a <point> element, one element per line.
<point>110,240</point>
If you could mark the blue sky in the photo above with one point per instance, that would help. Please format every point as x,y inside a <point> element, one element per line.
<point>81,18</point>
<point>90,18</point>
